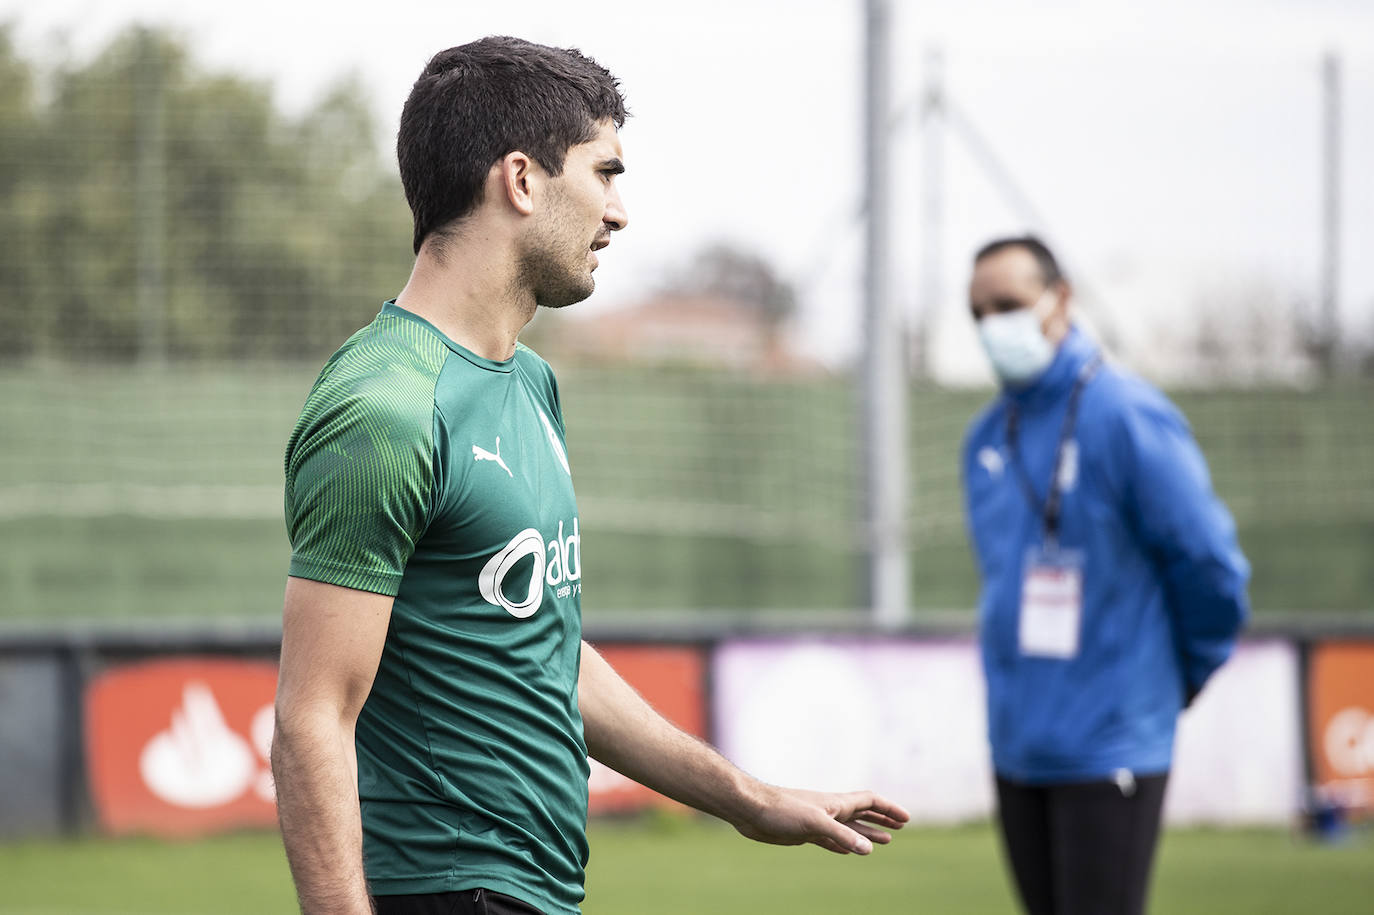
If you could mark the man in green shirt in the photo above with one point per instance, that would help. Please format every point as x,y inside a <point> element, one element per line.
<point>436,703</point>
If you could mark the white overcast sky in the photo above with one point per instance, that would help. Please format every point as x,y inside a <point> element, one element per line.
<point>1172,147</point>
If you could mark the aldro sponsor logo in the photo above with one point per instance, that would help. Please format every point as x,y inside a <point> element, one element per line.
<point>557,564</point>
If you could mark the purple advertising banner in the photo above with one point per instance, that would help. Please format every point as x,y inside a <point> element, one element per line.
<point>908,719</point>
<point>1238,754</point>
<point>902,717</point>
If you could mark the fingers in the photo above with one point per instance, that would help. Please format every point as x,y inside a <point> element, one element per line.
<point>864,822</point>
<point>877,809</point>
<point>841,838</point>
<point>870,808</point>
<point>868,832</point>
<point>845,824</point>
<point>880,819</point>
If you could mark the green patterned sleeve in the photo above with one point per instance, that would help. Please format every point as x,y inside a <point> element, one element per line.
<point>359,479</point>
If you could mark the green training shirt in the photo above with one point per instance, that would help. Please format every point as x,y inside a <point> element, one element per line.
<point>421,470</point>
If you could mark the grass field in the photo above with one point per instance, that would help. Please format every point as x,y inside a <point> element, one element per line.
<point>676,867</point>
<point>129,493</point>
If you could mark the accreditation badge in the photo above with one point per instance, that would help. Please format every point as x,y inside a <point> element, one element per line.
<point>1051,603</point>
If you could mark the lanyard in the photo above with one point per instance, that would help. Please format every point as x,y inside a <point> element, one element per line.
<point>1054,494</point>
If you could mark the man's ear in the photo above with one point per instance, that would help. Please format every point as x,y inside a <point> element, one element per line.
<point>1065,298</point>
<point>1057,322</point>
<point>516,177</point>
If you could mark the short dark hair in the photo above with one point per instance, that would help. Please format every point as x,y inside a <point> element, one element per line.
<point>475,103</point>
<point>1049,267</point>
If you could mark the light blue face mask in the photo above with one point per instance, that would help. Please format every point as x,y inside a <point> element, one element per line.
<point>1015,345</point>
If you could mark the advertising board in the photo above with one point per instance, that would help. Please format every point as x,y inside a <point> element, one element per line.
<point>905,718</point>
<point>1340,722</point>
<point>1238,754</point>
<point>908,719</point>
<point>179,746</point>
<point>672,680</point>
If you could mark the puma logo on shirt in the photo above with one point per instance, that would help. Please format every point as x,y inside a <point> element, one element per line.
<point>481,454</point>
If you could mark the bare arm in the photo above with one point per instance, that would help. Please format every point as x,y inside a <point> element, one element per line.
<point>331,644</point>
<point>624,732</point>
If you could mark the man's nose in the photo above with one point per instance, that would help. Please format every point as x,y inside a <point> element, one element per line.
<point>615,215</point>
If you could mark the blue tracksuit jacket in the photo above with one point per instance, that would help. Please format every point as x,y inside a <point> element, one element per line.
<point>1163,578</point>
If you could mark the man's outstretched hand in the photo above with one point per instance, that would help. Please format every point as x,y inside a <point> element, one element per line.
<point>624,732</point>
<point>842,823</point>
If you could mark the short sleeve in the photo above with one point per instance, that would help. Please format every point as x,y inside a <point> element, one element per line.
<point>359,484</point>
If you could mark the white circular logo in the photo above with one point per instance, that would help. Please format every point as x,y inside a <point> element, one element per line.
<point>491,583</point>
<point>1349,741</point>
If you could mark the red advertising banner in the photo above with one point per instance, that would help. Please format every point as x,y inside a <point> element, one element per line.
<point>672,680</point>
<point>1340,718</point>
<point>180,747</point>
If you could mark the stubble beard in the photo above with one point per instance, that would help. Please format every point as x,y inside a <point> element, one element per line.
<point>553,267</point>
<point>553,281</point>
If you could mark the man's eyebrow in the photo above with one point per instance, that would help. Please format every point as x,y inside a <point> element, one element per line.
<point>612,165</point>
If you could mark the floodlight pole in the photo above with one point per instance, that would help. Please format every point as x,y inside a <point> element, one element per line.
<point>150,200</point>
<point>884,377</point>
<point>932,205</point>
<point>1331,212</point>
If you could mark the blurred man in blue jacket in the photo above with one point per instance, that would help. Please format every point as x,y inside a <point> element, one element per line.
<point>1112,588</point>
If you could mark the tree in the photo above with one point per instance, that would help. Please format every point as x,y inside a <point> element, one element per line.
<point>264,236</point>
<point>1248,330</point>
<point>741,277</point>
<point>18,197</point>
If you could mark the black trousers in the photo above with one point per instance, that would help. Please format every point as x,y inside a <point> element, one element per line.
<point>458,902</point>
<point>1082,849</point>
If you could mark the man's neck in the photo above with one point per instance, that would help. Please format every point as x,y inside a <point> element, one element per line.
<point>471,297</point>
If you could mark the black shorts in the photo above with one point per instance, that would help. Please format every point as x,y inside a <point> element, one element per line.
<point>458,902</point>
